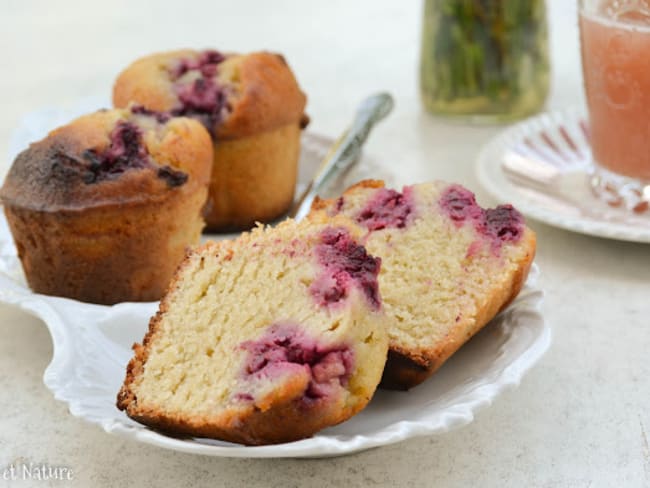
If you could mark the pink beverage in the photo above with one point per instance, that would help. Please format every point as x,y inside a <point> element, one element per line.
<point>615,40</point>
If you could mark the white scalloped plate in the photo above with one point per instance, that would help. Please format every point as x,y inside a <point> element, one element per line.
<point>556,141</point>
<point>92,347</point>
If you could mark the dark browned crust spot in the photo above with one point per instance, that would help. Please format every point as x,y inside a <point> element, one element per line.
<point>403,372</point>
<point>304,121</point>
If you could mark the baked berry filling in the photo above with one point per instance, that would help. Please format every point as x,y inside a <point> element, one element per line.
<point>501,224</point>
<point>460,205</point>
<point>504,223</point>
<point>387,209</point>
<point>161,117</point>
<point>126,151</point>
<point>285,348</point>
<point>172,177</point>
<point>344,264</point>
<point>201,98</point>
<point>206,62</point>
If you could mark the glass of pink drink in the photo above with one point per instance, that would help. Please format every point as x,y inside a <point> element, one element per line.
<point>615,43</point>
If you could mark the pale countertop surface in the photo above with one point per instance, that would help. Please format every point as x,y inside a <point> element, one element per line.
<point>579,418</point>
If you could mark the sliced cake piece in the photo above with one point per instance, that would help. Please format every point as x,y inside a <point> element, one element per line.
<point>448,267</point>
<point>265,339</point>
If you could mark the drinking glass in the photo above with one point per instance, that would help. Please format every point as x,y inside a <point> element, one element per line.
<point>615,47</point>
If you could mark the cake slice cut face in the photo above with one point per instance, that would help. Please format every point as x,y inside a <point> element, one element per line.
<point>265,339</point>
<point>448,267</point>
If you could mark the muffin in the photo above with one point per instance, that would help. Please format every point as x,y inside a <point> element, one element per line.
<point>448,267</point>
<point>253,108</point>
<point>103,209</point>
<point>265,339</point>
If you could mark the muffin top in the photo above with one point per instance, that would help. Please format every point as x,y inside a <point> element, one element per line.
<point>110,157</point>
<point>233,95</point>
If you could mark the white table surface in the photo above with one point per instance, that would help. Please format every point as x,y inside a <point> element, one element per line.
<point>579,419</point>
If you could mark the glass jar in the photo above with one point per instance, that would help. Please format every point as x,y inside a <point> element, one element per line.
<point>484,60</point>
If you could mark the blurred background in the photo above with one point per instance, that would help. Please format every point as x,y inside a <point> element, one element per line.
<point>58,52</point>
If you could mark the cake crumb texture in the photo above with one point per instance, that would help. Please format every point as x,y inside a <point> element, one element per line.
<point>448,267</point>
<point>241,351</point>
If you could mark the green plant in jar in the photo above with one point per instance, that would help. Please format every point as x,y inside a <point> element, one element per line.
<point>485,60</point>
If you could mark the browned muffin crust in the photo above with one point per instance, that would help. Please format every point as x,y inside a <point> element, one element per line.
<point>103,208</point>
<point>55,173</point>
<point>106,255</point>
<point>253,108</point>
<point>260,89</point>
<point>253,178</point>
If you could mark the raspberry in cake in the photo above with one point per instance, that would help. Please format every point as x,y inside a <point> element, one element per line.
<point>448,266</point>
<point>240,349</point>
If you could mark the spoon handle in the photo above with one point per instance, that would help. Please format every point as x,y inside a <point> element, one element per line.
<point>345,151</point>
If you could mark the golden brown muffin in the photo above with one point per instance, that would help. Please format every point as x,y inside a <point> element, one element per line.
<point>448,267</point>
<point>265,339</point>
<point>254,109</point>
<point>103,209</point>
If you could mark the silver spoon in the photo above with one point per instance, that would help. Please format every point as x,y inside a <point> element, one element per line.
<point>345,152</point>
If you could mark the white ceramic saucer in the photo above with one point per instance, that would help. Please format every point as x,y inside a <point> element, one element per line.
<point>543,165</point>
